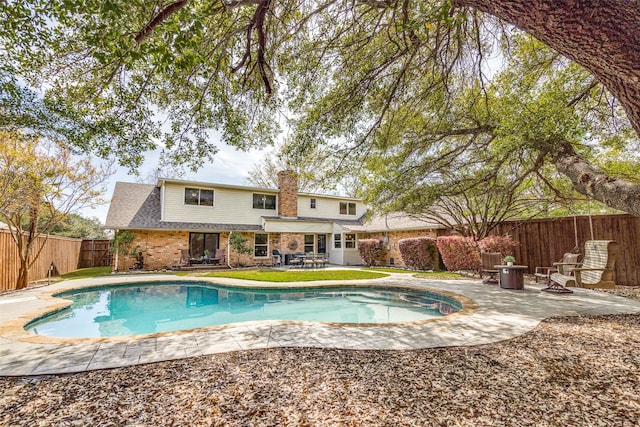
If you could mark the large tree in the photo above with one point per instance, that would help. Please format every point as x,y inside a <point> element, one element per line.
<point>491,156</point>
<point>318,171</point>
<point>234,65</point>
<point>40,184</point>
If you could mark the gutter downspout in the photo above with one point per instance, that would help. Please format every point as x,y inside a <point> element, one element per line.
<point>229,251</point>
<point>117,250</point>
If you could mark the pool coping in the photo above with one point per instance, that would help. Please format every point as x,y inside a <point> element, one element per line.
<point>489,314</point>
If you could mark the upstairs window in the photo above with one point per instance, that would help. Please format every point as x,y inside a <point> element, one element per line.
<point>264,201</point>
<point>198,197</point>
<point>347,208</point>
<point>313,203</point>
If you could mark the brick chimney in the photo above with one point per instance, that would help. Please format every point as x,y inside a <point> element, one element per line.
<point>288,199</point>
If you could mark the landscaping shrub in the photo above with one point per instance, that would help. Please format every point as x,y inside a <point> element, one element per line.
<point>503,244</point>
<point>459,253</point>
<point>371,251</point>
<point>419,253</point>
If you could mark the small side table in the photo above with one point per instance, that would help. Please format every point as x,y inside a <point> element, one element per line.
<point>511,276</point>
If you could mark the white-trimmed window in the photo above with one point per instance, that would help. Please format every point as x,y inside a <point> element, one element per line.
<point>312,203</point>
<point>261,245</point>
<point>350,241</point>
<point>347,208</point>
<point>264,201</point>
<point>198,197</point>
<point>337,241</point>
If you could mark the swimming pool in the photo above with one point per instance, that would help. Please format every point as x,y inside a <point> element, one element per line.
<point>146,308</point>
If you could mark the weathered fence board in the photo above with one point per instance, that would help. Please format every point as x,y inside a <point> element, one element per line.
<point>63,252</point>
<point>544,241</point>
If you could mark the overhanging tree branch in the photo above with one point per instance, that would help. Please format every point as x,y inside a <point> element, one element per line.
<point>160,17</point>
<point>616,193</point>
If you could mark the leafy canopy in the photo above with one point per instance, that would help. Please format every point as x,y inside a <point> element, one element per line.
<point>408,85</point>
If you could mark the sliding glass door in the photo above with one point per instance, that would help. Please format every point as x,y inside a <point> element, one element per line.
<point>198,242</point>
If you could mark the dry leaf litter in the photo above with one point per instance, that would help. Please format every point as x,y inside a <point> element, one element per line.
<point>573,371</point>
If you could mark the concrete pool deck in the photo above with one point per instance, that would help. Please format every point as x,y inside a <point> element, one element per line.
<point>491,314</point>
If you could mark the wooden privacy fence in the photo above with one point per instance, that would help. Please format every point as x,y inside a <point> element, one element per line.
<point>63,252</point>
<point>95,253</point>
<point>544,241</point>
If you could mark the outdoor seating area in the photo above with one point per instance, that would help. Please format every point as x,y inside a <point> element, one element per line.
<point>308,260</point>
<point>565,266</point>
<point>188,263</point>
<point>596,271</point>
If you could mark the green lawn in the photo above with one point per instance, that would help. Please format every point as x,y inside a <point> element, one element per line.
<point>441,275</point>
<point>296,275</point>
<point>283,276</point>
<point>84,273</point>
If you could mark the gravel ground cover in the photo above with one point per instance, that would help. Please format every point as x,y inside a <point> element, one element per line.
<point>572,371</point>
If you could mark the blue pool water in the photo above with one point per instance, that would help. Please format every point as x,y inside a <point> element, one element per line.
<point>170,306</point>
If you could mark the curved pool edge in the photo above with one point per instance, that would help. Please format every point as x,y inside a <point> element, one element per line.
<point>500,315</point>
<point>14,329</point>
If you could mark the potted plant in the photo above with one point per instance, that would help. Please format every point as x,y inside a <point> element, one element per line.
<point>509,260</point>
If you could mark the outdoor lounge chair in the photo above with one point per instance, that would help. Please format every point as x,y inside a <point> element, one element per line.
<point>596,271</point>
<point>489,261</point>
<point>565,266</point>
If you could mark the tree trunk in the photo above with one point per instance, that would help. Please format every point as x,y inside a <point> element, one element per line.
<point>616,193</point>
<point>23,275</point>
<point>601,35</point>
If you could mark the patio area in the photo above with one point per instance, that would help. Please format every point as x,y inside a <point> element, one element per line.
<point>490,315</point>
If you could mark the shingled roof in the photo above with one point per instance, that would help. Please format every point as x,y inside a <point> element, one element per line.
<point>137,206</point>
<point>395,221</point>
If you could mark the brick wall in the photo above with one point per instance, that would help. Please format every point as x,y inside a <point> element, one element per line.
<point>162,249</point>
<point>288,198</point>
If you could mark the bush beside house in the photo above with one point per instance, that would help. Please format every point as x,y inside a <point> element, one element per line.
<point>372,251</point>
<point>503,244</point>
<point>419,253</point>
<point>459,253</point>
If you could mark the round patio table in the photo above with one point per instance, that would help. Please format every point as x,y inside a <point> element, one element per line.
<point>511,276</point>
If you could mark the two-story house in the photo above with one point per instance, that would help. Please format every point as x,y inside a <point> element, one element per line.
<point>174,215</point>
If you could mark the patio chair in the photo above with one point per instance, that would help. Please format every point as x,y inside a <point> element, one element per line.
<point>309,260</point>
<point>596,271</point>
<point>565,266</point>
<point>489,261</point>
<point>185,260</point>
<point>295,261</point>
<point>321,260</point>
<point>219,257</point>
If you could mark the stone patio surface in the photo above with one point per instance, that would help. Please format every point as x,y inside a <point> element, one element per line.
<point>490,314</point>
